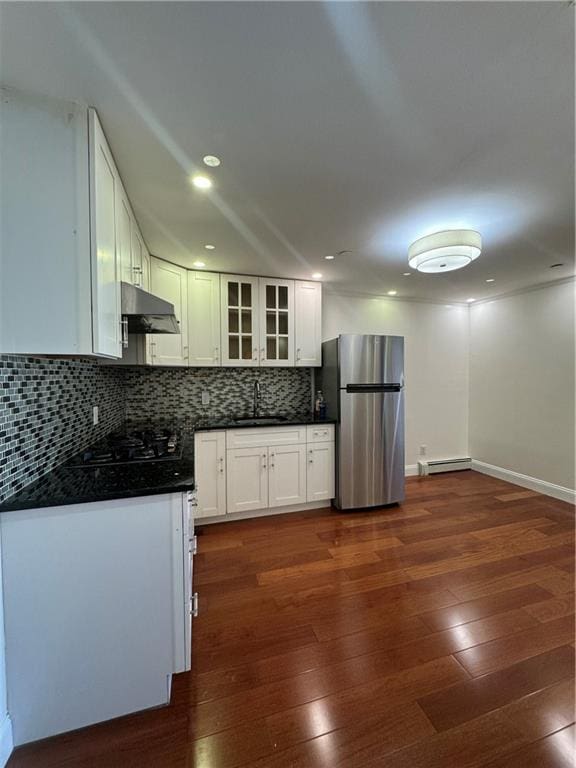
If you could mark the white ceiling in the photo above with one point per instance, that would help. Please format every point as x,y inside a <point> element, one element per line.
<point>341,126</point>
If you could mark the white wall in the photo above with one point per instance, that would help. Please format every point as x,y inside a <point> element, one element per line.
<point>436,364</point>
<point>522,383</point>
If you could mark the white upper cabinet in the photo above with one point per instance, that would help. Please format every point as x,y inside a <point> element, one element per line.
<point>170,282</point>
<point>308,322</point>
<point>239,324</point>
<point>203,318</point>
<point>276,322</point>
<point>71,234</point>
<point>105,188</point>
<point>124,237</point>
<point>138,249</point>
<point>145,269</point>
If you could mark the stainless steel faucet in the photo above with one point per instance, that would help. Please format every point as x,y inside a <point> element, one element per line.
<point>256,409</point>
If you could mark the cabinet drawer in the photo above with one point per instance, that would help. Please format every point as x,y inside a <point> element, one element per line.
<point>265,436</point>
<point>320,433</point>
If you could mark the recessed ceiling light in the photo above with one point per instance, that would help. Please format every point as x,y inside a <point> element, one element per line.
<point>470,300</point>
<point>201,182</point>
<point>317,275</point>
<point>448,306</point>
<point>490,280</point>
<point>212,161</point>
<point>445,251</point>
<point>406,274</point>
<point>328,258</point>
<point>392,293</point>
<point>209,247</point>
<point>199,264</point>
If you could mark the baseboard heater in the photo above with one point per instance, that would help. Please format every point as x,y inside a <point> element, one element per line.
<point>443,465</point>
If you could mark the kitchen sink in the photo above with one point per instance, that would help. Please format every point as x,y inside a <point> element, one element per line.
<point>258,421</point>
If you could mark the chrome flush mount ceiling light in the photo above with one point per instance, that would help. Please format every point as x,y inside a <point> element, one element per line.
<point>445,251</point>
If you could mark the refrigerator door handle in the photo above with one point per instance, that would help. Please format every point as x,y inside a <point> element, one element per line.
<point>367,388</point>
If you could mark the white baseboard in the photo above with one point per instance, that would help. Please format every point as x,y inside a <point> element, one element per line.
<point>410,470</point>
<point>263,512</point>
<point>6,741</point>
<point>533,483</point>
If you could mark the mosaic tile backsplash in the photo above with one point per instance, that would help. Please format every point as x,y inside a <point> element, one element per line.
<point>175,395</point>
<point>46,405</point>
<point>46,413</point>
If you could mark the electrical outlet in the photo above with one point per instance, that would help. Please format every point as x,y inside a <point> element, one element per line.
<point>205,397</point>
<point>422,450</point>
<point>94,414</point>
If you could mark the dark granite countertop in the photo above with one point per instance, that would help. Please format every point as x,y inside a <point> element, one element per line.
<point>81,484</point>
<point>208,424</point>
<point>78,485</point>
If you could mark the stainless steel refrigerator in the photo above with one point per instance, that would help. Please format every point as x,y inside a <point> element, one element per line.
<point>362,381</point>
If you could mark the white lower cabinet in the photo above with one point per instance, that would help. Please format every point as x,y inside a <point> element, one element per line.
<point>320,471</point>
<point>245,470</point>
<point>210,467</point>
<point>97,606</point>
<point>247,479</point>
<point>286,475</point>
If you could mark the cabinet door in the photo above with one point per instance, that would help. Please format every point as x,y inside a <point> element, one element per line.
<point>104,185</point>
<point>204,318</point>
<point>247,479</point>
<point>124,239</point>
<point>210,473</point>
<point>169,282</point>
<point>137,256</point>
<point>145,268</point>
<point>308,321</point>
<point>320,472</point>
<point>276,322</point>
<point>239,307</point>
<point>286,475</point>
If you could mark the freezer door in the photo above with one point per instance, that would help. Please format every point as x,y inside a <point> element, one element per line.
<point>370,449</point>
<point>366,359</point>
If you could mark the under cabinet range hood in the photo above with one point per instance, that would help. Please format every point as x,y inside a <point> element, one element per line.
<point>145,313</point>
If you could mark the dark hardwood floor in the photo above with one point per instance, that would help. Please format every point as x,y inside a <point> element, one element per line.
<point>439,634</point>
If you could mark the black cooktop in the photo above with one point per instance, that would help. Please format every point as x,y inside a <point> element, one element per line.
<point>131,446</point>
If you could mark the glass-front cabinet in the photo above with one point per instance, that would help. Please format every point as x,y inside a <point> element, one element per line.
<point>276,322</point>
<point>257,321</point>
<point>240,320</point>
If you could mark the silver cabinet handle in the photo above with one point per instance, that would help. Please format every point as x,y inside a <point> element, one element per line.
<point>194,605</point>
<point>272,456</point>
<point>216,350</point>
<point>263,461</point>
<point>298,355</point>
<point>262,355</point>
<point>311,457</point>
<point>221,465</point>
<point>124,329</point>
<point>255,353</point>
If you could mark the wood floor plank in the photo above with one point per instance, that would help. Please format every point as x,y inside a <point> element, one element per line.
<point>464,636</point>
<point>554,608</point>
<point>472,698</point>
<point>502,652</point>
<point>375,699</point>
<point>444,618</point>
<point>554,751</point>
